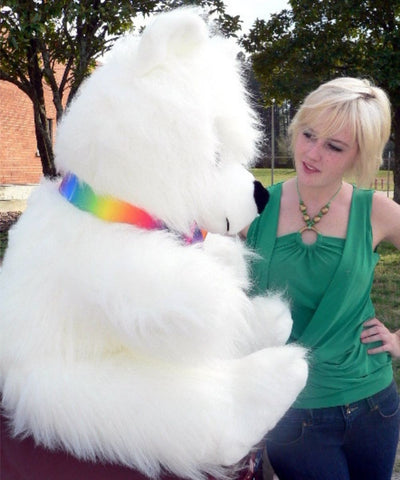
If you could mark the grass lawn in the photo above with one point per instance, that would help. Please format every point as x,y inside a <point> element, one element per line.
<point>385,293</point>
<point>385,296</point>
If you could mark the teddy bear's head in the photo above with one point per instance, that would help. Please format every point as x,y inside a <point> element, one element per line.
<point>165,124</point>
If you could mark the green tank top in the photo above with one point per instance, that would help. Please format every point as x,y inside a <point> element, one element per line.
<point>328,285</point>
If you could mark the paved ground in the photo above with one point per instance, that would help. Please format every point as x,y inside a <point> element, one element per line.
<point>12,205</point>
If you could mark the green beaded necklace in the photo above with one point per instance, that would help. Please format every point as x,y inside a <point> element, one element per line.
<point>310,222</point>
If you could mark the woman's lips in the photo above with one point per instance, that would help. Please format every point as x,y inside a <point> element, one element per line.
<point>309,168</point>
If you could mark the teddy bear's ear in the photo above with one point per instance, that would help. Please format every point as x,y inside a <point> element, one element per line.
<point>177,33</point>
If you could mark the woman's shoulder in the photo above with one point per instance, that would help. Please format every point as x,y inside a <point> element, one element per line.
<point>385,206</point>
<point>385,219</point>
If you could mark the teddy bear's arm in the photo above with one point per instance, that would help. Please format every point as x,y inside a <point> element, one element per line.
<point>269,316</point>
<point>172,300</point>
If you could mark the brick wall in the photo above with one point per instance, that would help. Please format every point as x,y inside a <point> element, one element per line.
<point>19,163</point>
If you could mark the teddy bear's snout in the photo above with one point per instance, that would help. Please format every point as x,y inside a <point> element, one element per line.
<point>261,196</point>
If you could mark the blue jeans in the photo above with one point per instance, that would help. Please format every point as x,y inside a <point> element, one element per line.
<point>356,441</point>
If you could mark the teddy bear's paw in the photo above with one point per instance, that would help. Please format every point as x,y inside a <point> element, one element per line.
<point>272,321</point>
<point>230,252</point>
<point>264,385</point>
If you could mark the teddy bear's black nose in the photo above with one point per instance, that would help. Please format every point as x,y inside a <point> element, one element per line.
<point>261,196</point>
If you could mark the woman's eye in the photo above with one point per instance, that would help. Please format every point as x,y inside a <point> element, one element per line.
<point>309,135</point>
<point>333,147</point>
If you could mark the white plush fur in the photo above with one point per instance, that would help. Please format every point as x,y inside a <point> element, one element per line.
<point>123,344</point>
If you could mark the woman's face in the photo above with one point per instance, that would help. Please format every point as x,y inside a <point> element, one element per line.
<point>322,160</point>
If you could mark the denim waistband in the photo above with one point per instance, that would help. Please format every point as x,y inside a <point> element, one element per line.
<point>363,405</point>
<point>373,400</point>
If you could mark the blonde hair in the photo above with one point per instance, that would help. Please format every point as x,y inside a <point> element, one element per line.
<point>354,104</point>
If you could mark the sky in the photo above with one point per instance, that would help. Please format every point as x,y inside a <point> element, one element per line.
<point>249,10</point>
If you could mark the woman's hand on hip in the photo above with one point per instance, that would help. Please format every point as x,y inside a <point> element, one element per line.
<point>375,331</point>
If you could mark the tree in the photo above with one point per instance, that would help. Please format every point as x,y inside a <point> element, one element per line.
<point>37,35</point>
<point>317,40</point>
<point>227,24</point>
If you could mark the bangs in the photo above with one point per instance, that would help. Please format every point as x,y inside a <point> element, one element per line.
<point>328,122</point>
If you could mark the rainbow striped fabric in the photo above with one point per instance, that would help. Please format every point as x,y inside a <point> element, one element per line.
<point>110,209</point>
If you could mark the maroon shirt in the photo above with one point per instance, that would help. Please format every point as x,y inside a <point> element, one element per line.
<point>21,459</point>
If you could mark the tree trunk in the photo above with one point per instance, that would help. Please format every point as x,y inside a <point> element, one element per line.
<point>396,163</point>
<point>43,136</point>
<point>44,143</point>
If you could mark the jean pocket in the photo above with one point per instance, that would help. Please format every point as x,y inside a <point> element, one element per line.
<point>389,406</point>
<point>288,431</point>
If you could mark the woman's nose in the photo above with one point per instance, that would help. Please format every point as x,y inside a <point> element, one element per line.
<point>314,150</point>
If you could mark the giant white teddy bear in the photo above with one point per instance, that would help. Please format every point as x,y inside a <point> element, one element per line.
<point>124,337</point>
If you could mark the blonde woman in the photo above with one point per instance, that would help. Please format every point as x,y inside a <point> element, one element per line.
<point>317,242</point>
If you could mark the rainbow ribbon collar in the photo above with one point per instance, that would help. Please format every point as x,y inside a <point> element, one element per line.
<point>108,208</point>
